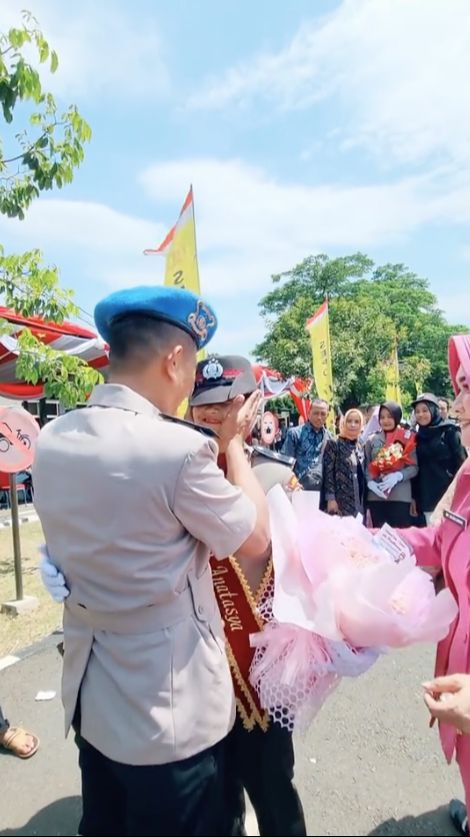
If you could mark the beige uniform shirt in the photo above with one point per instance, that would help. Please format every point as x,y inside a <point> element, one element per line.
<point>131,505</point>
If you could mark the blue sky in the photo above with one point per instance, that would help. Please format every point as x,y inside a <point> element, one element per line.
<point>304,127</point>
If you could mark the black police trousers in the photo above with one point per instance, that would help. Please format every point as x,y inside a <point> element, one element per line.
<point>181,798</point>
<point>262,763</point>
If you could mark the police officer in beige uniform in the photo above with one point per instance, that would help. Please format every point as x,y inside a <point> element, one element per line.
<point>131,504</point>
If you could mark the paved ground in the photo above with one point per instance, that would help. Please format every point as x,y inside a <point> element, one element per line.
<point>369,765</point>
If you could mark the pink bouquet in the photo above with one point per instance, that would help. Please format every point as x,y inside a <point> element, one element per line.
<point>342,597</point>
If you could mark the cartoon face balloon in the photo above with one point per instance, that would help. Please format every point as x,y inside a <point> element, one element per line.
<point>18,434</point>
<point>269,428</point>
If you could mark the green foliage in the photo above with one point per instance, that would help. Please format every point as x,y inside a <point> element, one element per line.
<point>42,156</point>
<point>32,289</point>
<point>280,404</point>
<point>370,308</point>
<point>67,378</point>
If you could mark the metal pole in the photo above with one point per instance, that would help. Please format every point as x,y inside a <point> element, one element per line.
<point>15,526</point>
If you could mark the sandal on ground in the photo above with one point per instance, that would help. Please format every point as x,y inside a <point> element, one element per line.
<point>16,740</point>
<point>458,815</point>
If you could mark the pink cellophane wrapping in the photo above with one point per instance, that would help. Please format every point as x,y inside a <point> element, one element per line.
<point>340,601</point>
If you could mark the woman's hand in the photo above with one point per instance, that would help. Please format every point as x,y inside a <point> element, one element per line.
<point>332,507</point>
<point>448,700</point>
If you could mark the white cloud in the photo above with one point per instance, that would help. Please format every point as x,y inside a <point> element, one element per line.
<point>250,225</point>
<point>99,249</point>
<point>398,69</point>
<point>82,224</point>
<point>235,334</point>
<point>96,248</point>
<point>102,49</point>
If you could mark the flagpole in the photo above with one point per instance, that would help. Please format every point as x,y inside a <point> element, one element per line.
<point>195,237</point>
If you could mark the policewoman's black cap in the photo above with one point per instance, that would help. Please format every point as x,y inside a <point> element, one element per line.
<point>222,377</point>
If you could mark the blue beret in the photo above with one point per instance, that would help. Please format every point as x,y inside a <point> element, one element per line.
<point>177,306</point>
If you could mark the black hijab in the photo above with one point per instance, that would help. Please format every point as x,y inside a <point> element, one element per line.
<point>395,411</point>
<point>437,422</point>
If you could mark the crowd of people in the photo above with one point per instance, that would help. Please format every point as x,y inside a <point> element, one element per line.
<point>160,602</point>
<point>379,465</point>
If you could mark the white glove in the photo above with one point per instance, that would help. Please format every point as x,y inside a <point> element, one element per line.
<point>389,482</point>
<point>52,578</point>
<point>374,486</point>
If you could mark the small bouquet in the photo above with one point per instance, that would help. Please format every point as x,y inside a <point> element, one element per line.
<point>395,456</point>
<point>342,597</point>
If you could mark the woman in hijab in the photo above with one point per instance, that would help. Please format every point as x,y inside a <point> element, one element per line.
<point>440,454</point>
<point>391,464</point>
<point>343,468</point>
<point>446,548</point>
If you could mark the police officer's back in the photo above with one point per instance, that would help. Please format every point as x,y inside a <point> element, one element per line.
<point>131,503</point>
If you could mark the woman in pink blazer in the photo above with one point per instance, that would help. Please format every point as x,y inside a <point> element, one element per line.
<point>446,548</point>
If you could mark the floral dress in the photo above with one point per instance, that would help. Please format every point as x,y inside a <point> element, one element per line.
<point>344,475</point>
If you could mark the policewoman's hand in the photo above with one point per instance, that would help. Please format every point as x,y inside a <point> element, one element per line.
<point>240,418</point>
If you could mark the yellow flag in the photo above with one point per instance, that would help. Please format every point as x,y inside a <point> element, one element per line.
<point>181,257</point>
<point>181,268</point>
<point>392,377</point>
<point>318,328</point>
<point>179,249</point>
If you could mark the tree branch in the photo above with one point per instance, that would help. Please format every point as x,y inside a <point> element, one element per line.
<point>57,124</point>
<point>7,177</point>
<point>28,150</point>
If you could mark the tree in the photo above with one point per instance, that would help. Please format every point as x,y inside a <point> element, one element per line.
<point>370,308</point>
<point>35,158</point>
